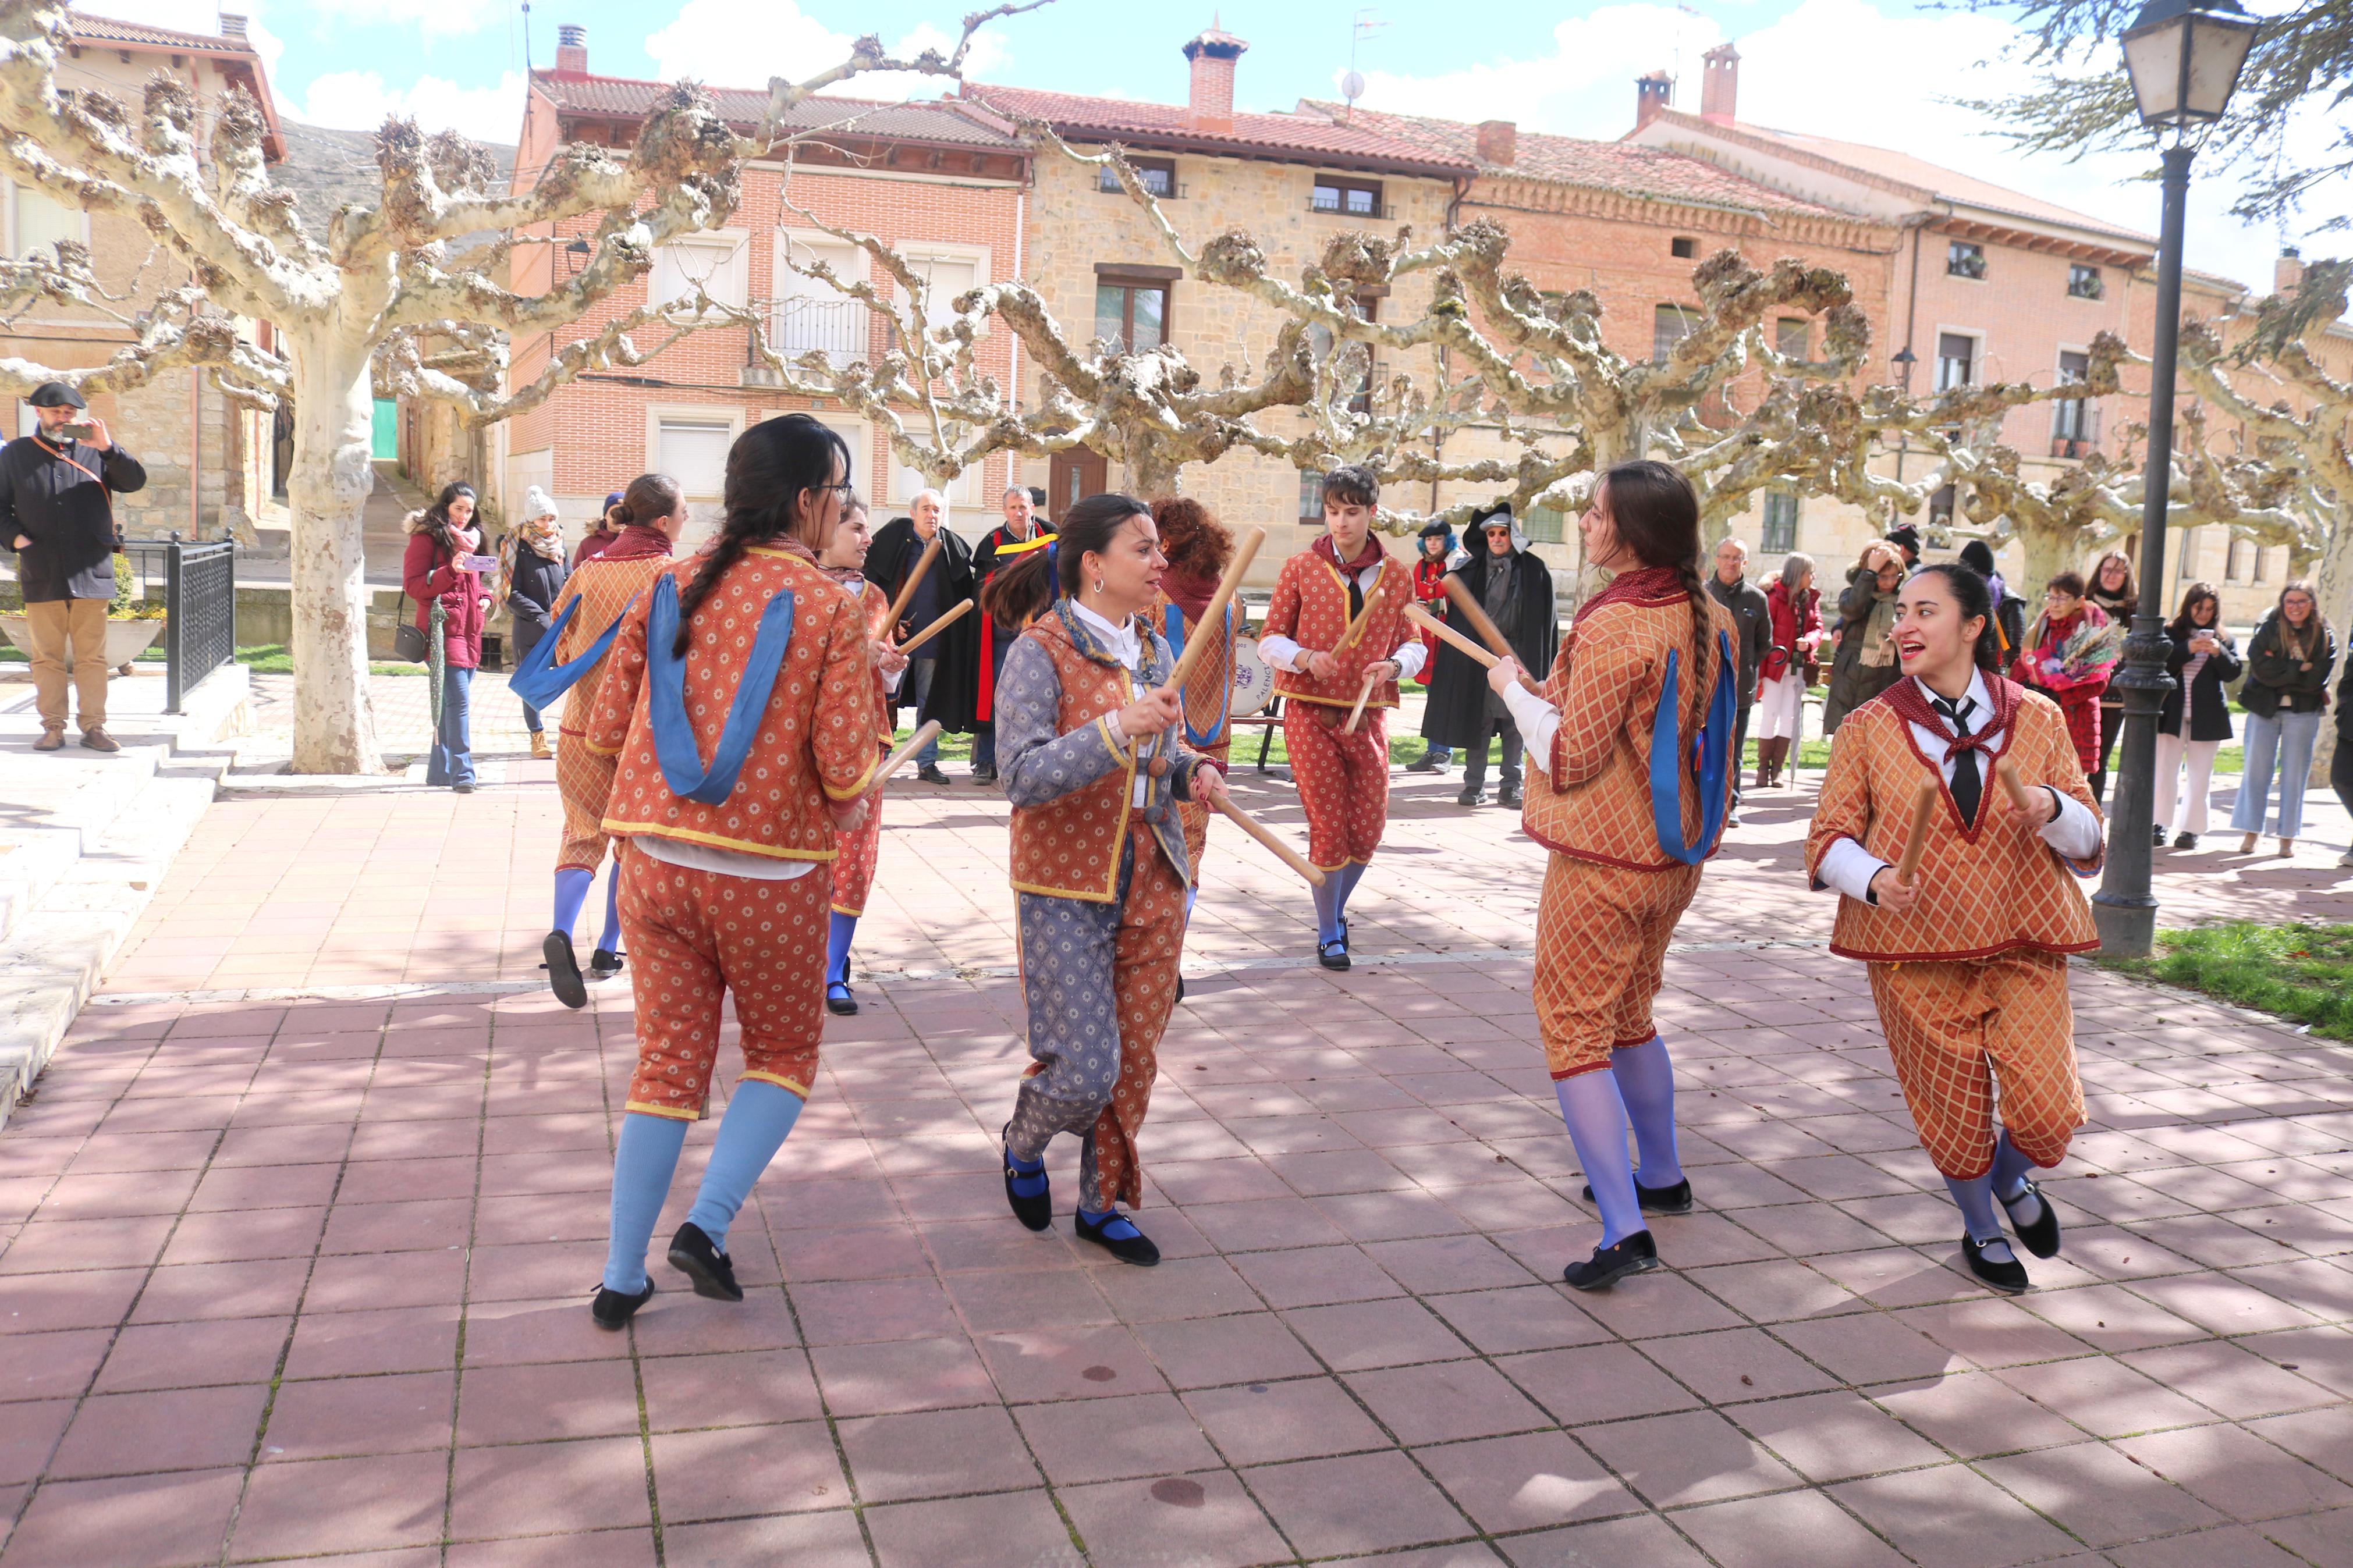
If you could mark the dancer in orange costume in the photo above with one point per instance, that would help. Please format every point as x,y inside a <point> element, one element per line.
<point>1645,671</point>
<point>1198,547</point>
<point>1335,629</point>
<point>1968,961</point>
<point>749,656</point>
<point>857,849</point>
<point>646,519</point>
<point>1090,745</point>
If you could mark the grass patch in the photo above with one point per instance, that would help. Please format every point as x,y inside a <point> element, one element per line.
<point>2299,972</point>
<point>277,658</point>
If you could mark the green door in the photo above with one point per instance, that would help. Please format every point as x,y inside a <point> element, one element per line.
<point>386,440</point>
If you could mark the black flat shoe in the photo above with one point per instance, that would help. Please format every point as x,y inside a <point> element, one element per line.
<point>930,774</point>
<point>1676,1199</point>
<point>1180,988</point>
<point>1333,955</point>
<point>1036,1213</point>
<point>2160,830</point>
<point>1469,796</point>
<point>2185,841</point>
<point>984,774</point>
<point>612,1310</point>
<point>564,970</point>
<point>1637,1254</point>
<point>2042,1237</point>
<point>838,1001</point>
<point>1137,1250</point>
<point>713,1271</point>
<point>1508,795</point>
<point>2010,1278</point>
<point>604,964</point>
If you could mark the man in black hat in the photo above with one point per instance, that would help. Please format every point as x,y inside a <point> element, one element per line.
<point>1907,537</point>
<point>56,512</point>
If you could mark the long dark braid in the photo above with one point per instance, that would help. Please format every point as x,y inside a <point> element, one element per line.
<point>1655,513</point>
<point>769,468</point>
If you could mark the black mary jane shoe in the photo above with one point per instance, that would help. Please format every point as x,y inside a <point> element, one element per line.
<point>1137,1250</point>
<point>604,964</point>
<point>1635,1254</point>
<point>1036,1213</point>
<point>713,1271</point>
<point>1180,988</point>
<point>838,1001</point>
<point>613,1309</point>
<point>564,970</point>
<point>2185,841</point>
<point>1676,1199</point>
<point>2010,1278</point>
<point>1333,955</point>
<point>2042,1237</point>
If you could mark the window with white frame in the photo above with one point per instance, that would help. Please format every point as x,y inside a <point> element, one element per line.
<point>715,261</point>
<point>693,452</point>
<point>812,315</point>
<point>37,221</point>
<point>1957,361</point>
<point>946,276</point>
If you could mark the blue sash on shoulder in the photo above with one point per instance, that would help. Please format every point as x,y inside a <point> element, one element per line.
<point>1715,746</point>
<point>540,680</point>
<point>1175,622</point>
<point>674,744</point>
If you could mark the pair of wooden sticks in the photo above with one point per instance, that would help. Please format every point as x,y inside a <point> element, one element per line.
<point>1497,649</point>
<point>1924,811</point>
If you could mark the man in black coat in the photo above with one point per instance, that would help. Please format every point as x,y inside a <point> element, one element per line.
<point>1751,638</point>
<point>943,675</point>
<point>1514,588</point>
<point>56,512</point>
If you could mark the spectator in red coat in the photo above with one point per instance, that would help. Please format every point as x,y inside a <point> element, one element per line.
<point>444,565</point>
<point>1430,589</point>
<point>1794,604</point>
<point>2073,681</point>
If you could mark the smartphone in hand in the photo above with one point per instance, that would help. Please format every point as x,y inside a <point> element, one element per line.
<point>77,432</point>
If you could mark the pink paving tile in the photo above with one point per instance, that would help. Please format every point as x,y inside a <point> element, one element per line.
<point>388,1181</point>
<point>803,1539</point>
<point>1833,1437</point>
<point>1259,1423</point>
<point>50,1247</point>
<point>2235,1544</point>
<point>1642,1537</point>
<point>2237,1473</point>
<point>541,1269</point>
<point>539,1488</point>
<point>240,1187</point>
<point>2322,1436</point>
<point>51,1366</point>
<point>1314,1276</point>
<point>508,1333</point>
<point>1247,1347</point>
<point>1694,1457</point>
<point>253,1234</point>
<point>426,1225</point>
<point>343,1505</point>
<point>1177,1288</point>
<point>2229,1380</point>
<point>1068,1364</point>
<point>1992,1331</point>
<point>2112,1318</point>
<point>346,1345</point>
<point>401,1557</point>
<point>1086,1440</point>
<point>747,1469</point>
<point>1360,1334</point>
<point>117,1196</point>
<point>158,1522</point>
<point>144,1152</point>
<point>1363,1502</point>
<point>1527,1482</point>
<point>29,1430</point>
<point>1641,1308</point>
<point>596,1549</point>
<point>1008,1527</point>
<point>906,1374</point>
<point>864,1310</point>
<point>739,1388</point>
<point>358,1282</point>
<point>1009,1299</point>
<point>936,1453</point>
<point>179,1429</point>
<point>1971,1413</point>
<point>345,1417</point>
<point>1445,1402</point>
<point>1788,1530</point>
<point>1734,1365</point>
<point>679,1322</point>
<point>2104,1396</point>
<point>2222,1303</point>
<point>1203,1520</point>
<point>455,1138</point>
<point>1595,1382</point>
<point>1390,1216</point>
<point>2094,1491</point>
<point>545,1217</point>
<point>1951,1517</point>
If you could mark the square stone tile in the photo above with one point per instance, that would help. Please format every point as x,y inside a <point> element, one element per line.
<point>324,1506</point>
<point>177,1430</point>
<point>937,1453</point>
<point>175,1520</point>
<point>1446,1401</point>
<point>1972,1414</point>
<point>1254,1347</point>
<point>903,1374</point>
<point>1359,1334</point>
<point>540,1401</point>
<point>1363,1502</point>
<point>1992,1331</point>
<point>2323,1436</point>
<point>803,1539</point>
<point>1204,1520</point>
<point>1951,1517</point>
<point>1643,1538</point>
<point>595,1549</point>
<point>349,1417</point>
<point>2102,1496</point>
<point>1734,1365</point>
<point>2111,1318</point>
<point>731,1388</point>
<point>865,1310</point>
<point>1595,1382</point>
<point>542,1488</point>
<point>1524,1318</point>
<point>1786,1529</point>
<point>1008,1527</point>
<point>1081,1441</point>
<point>181,1355</point>
<point>1528,1481</point>
<point>1430,1266</point>
<point>1832,1437</point>
<point>353,1344</point>
<point>2229,1380</point>
<point>2104,1396</point>
<point>1694,1457</point>
<point>1068,1364</point>
<point>2235,1544</point>
<point>1306,1417</point>
<point>2237,1473</point>
<point>1314,1276</point>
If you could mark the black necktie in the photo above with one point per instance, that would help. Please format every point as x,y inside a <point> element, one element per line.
<point>1355,595</point>
<point>1966,785</point>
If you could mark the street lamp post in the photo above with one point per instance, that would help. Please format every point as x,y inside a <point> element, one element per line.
<point>2184,57</point>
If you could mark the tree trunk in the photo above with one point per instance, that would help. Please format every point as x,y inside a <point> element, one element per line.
<point>2049,552</point>
<point>2334,582</point>
<point>334,722</point>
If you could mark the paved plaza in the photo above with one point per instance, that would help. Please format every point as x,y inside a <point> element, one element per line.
<point>301,1228</point>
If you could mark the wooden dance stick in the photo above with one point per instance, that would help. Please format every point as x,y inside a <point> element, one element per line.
<point>1282,852</point>
<point>1446,634</point>
<point>2022,794</point>
<point>936,628</point>
<point>907,589</point>
<point>1924,810</point>
<point>923,735</point>
<point>1358,710</point>
<point>1197,643</point>
<point>1458,594</point>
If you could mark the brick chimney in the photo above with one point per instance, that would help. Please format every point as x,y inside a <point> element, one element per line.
<point>232,26</point>
<point>570,49</point>
<point>1651,91</point>
<point>1210,104</point>
<point>2287,272</point>
<point>1720,88</point>
<point>1499,141</point>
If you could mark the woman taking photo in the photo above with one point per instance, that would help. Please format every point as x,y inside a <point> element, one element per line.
<point>2202,659</point>
<point>1782,679</point>
<point>2070,651</point>
<point>1864,665</point>
<point>1090,747</point>
<point>2288,664</point>
<point>443,565</point>
<point>1614,886</point>
<point>532,559</point>
<point>2112,590</point>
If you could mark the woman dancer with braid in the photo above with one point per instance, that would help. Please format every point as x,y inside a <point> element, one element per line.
<point>750,657</point>
<point>857,849</point>
<point>1641,667</point>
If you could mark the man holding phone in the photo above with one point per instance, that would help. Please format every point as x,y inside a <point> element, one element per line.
<point>56,512</point>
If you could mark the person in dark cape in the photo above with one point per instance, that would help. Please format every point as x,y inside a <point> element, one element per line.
<point>943,679</point>
<point>1020,526</point>
<point>1514,587</point>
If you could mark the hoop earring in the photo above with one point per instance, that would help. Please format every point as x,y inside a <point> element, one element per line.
<point>1098,587</point>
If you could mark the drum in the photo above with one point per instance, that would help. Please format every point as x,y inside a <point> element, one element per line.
<point>1253,681</point>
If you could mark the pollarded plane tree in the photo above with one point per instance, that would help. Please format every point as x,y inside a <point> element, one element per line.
<point>384,292</point>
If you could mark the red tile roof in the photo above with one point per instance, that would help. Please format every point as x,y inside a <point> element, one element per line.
<point>1299,138</point>
<point>1653,172</point>
<point>745,107</point>
<point>90,29</point>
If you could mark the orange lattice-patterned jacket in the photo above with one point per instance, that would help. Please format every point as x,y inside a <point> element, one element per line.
<point>1310,607</point>
<point>1984,889</point>
<point>604,585</point>
<point>815,740</point>
<point>1592,799</point>
<point>1208,690</point>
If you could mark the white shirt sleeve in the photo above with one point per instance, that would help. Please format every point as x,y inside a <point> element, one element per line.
<point>1280,652</point>
<point>2075,833</point>
<point>1409,656</point>
<point>1538,721</point>
<point>1848,867</point>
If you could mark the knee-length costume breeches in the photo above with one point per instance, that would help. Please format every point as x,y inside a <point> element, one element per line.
<point>1959,1027</point>
<point>1344,781</point>
<point>695,936</point>
<point>583,781</point>
<point>1601,951</point>
<point>855,853</point>
<point>1098,980</point>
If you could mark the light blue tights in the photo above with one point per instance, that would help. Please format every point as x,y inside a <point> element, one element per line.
<point>759,1116</point>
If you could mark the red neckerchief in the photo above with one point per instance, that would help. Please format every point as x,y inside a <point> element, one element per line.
<point>849,577</point>
<point>794,548</point>
<point>1191,596</point>
<point>1644,585</point>
<point>632,543</point>
<point>1910,700</point>
<point>1371,553</point>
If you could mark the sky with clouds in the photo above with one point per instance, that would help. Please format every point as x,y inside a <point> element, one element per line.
<point>1863,71</point>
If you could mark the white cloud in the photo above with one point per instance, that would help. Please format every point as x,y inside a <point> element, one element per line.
<point>727,44</point>
<point>359,101</point>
